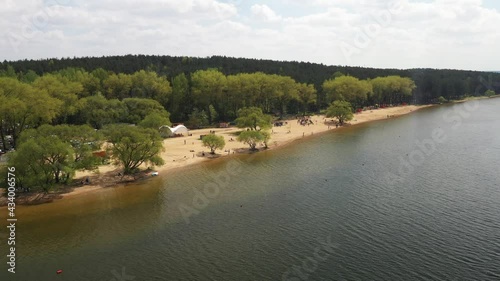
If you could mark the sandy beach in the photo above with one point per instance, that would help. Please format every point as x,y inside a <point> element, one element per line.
<point>184,151</point>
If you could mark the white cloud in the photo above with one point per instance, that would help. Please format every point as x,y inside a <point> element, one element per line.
<point>441,33</point>
<point>263,12</point>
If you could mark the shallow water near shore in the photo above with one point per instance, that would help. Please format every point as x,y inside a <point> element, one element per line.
<point>378,201</point>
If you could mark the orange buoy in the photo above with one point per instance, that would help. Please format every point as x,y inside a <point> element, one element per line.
<point>59,271</point>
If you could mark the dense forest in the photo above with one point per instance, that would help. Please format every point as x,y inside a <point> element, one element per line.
<point>204,91</point>
<point>431,83</point>
<point>57,113</point>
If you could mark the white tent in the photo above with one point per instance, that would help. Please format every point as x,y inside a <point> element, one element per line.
<point>167,131</point>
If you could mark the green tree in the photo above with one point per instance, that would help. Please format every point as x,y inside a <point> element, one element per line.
<point>117,86</point>
<point>347,88</point>
<point>213,112</point>
<point>131,146</point>
<point>242,89</point>
<point>91,84</point>
<point>8,72</point>
<point>22,107</point>
<point>97,111</point>
<point>154,121</point>
<point>267,90</point>
<point>441,99</point>
<point>489,93</point>
<point>209,87</point>
<point>139,108</point>
<point>29,77</point>
<point>213,142</point>
<point>341,110</point>
<point>253,118</point>
<point>178,104</point>
<point>83,139</point>
<point>197,119</point>
<point>252,138</point>
<point>392,89</point>
<point>307,96</point>
<point>147,84</point>
<point>43,162</point>
<point>266,137</point>
<point>285,91</point>
<point>60,88</point>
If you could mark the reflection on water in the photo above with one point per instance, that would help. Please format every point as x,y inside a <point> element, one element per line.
<point>264,216</point>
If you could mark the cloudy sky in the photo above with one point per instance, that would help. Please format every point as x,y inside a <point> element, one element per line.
<point>459,34</point>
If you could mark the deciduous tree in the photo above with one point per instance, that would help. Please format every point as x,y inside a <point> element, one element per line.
<point>252,138</point>
<point>253,118</point>
<point>347,88</point>
<point>341,110</point>
<point>131,146</point>
<point>154,121</point>
<point>213,142</point>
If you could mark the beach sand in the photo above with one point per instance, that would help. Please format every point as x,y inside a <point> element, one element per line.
<point>184,151</point>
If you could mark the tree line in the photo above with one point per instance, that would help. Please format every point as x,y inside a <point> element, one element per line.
<point>431,83</point>
<point>204,97</point>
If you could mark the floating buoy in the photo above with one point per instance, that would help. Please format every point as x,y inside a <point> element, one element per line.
<point>59,271</point>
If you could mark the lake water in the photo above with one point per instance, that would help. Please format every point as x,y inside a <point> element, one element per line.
<point>411,198</point>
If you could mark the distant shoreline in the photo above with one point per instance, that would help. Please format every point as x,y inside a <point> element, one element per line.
<point>179,151</point>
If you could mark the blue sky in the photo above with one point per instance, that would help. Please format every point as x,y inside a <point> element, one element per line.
<point>458,34</point>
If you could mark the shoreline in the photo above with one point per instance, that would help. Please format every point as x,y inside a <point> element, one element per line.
<point>177,151</point>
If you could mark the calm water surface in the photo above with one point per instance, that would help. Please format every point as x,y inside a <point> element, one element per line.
<point>362,203</point>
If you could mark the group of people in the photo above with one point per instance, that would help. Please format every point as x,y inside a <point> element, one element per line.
<point>305,121</point>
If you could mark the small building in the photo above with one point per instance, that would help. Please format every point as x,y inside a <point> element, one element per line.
<point>168,132</point>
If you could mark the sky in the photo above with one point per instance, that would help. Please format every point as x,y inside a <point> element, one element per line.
<point>456,34</point>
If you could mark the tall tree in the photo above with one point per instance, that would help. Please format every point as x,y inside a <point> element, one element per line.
<point>22,107</point>
<point>43,162</point>
<point>83,140</point>
<point>213,142</point>
<point>209,88</point>
<point>347,88</point>
<point>139,108</point>
<point>60,88</point>
<point>286,90</point>
<point>98,111</point>
<point>178,104</point>
<point>341,110</point>
<point>117,86</point>
<point>253,118</point>
<point>154,121</point>
<point>307,96</point>
<point>147,84</point>
<point>392,89</point>
<point>252,138</point>
<point>132,146</point>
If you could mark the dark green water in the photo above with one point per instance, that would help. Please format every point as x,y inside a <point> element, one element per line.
<point>340,206</point>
